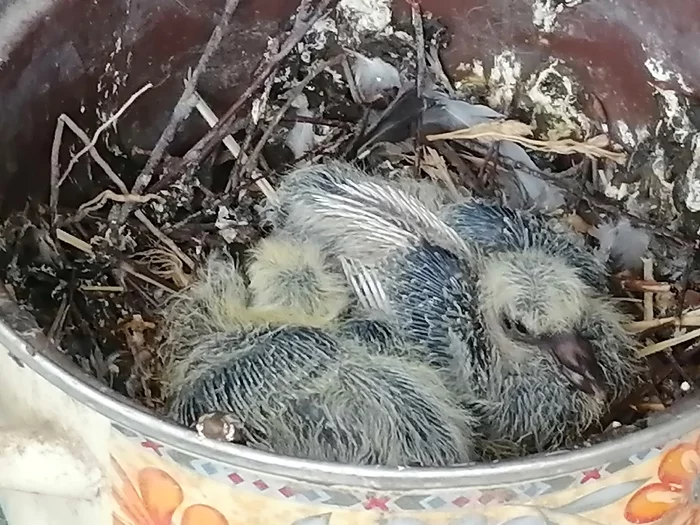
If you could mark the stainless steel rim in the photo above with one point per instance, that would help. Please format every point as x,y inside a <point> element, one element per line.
<point>85,389</point>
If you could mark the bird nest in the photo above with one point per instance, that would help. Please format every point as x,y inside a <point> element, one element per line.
<point>96,276</point>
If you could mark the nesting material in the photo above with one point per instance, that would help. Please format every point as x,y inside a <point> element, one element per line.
<point>121,241</point>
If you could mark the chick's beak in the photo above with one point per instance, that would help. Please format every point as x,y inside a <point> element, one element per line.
<point>579,363</point>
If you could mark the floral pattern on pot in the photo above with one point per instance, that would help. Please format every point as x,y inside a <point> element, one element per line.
<point>150,487</point>
<point>155,501</point>
<point>675,497</point>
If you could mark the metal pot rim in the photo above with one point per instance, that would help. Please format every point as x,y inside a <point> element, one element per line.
<point>65,375</point>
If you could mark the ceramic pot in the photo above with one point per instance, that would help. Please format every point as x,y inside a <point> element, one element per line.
<point>74,452</point>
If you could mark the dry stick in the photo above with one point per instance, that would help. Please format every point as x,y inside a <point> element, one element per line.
<point>184,105</point>
<point>206,112</point>
<point>126,267</point>
<point>56,180</point>
<point>687,320</point>
<point>563,146</point>
<point>262,183</point>
<point>648,296</point>
<point>164,238</point>
<point>235,175</point>
<point>210,117</point>
<point>183,108</point>
<point>102,199</point>
<point>59,320</point>
<point>645,286</point>
<point>111,120</point>
<point>104,289</point>
<point>292,95</point>
<point>66,237</point>
<point>417,20</point>
<point>663,345</point>
<point>188,164</point>
<point>94,153</point>
<point>55,171</point>
<point>493,147</point>
<point>352,85</point>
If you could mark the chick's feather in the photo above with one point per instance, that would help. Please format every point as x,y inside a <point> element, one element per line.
<point>430,291</point>
<point>350,392</point>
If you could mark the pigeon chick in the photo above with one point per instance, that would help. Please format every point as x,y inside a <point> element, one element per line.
<point>279,357</point>
<point>497,228</point>
<point>363,217</point>
<point>513,315</point>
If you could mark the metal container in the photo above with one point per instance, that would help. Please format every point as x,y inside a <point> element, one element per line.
<point>71,451</point>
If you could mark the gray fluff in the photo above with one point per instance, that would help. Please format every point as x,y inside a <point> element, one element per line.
<point>454,280</point>
<point>304,380</point>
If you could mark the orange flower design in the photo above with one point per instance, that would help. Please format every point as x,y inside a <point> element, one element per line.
<point>675,498</point>
<point>156,500</point>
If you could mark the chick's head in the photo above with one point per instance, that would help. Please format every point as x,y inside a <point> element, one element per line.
<point>296,277</point>
<point>533,302</point>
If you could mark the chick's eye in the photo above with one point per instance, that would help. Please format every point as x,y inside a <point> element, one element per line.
<point>514,326</point>
<point>507,324</point>
<point>520,328</point>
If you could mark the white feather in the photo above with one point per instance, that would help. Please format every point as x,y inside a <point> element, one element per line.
<point>374,76</point>
<point>622,243</point>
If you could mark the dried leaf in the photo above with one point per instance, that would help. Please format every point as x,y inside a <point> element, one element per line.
<point>436,167</point>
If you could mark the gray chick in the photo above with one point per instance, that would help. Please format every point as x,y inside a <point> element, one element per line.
<point>280,357</point>
<point>514,316</point>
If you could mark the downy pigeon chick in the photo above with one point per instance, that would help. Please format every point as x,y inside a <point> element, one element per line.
<point>279,356</point>
<point>512,314</point>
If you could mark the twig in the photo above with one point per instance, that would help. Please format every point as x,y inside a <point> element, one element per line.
<point>330,122</point>
<point>184,105</point>
<point>110,121</point>
<point>55,172</point>
<point>254,120</point>
<point>108,195</point>
<point>94,153</point>
<point>648,296</point>
<point>58,322</point>
<point>663,345</point>
<point>515,131</point>
<point>80,244</point>
<point>104,289</point>
<point>292,95</point>
<point>352,85</point>
<point>210,117</point>
<point>188,164</point>
<point>62,121</point>
<point>493,148</point>
<point>231,144</point>
<point>645,286</point>
<point>417,20</point>
<point>126,267</point>
<point>164,238</point>
<point>135,285</point>
<point>183,108</point>
<point>687,320</point>
<point>357,133</point>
